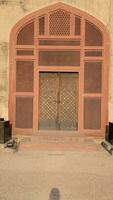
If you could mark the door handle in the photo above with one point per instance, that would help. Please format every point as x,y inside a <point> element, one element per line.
<point>57,101</point>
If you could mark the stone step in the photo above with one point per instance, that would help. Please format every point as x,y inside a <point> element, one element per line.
<point>59,147</point>
<point>57,139</point>
<point>55,142</point>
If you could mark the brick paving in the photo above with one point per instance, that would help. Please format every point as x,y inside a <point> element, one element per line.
<point>33,175</point>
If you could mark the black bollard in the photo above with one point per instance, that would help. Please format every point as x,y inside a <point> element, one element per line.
<point>5,131</point>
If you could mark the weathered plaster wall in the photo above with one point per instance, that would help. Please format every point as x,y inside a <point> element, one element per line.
<point>11,11</point>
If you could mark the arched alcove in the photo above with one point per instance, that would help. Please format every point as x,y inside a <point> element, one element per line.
<point>59,72</point>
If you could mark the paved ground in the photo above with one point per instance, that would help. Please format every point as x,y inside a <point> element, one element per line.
<point>56,175</point>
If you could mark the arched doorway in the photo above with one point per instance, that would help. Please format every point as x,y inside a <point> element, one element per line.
<point>59,72</point>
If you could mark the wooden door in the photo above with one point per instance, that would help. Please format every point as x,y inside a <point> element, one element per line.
<point>58,101</point>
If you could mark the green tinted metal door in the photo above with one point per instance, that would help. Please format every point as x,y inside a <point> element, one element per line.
<point>58,101</point>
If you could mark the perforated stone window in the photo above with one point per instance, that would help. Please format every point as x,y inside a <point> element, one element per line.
<point>59,23</point>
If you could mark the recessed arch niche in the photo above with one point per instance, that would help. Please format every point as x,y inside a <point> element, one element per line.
<point>59,41</point>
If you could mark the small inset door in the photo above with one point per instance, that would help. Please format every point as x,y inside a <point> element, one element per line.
<point>58,102</point>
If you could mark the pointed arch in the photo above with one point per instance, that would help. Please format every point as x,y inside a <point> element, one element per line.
<point>59,38</point>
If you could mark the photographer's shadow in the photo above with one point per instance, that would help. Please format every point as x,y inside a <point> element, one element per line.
<point>54,194</point>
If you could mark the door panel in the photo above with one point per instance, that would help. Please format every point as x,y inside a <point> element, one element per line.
<point>48,98</point>
<point>68,115</point>
<point>58,101</point>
